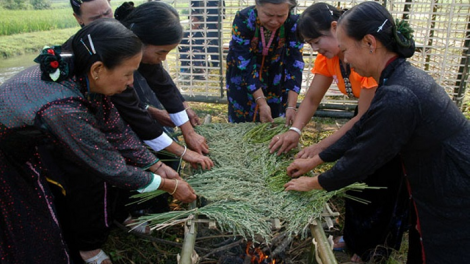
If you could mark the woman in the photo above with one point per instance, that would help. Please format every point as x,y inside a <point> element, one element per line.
<point>264,63</point>
<point>368,228</point>
<point>412,116</point>
<point>158,26</point>
<point>317,27</point>
<point>143,115</point>
<point>57,121</point>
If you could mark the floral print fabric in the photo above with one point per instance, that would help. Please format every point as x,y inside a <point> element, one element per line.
<point>280,72</point>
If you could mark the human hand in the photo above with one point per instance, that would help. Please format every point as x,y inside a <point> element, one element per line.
<point>193,118</point>
<point>195,158</point>
<point>161,116</point>
<point>196,142</point>
<point>290,115</point>
<point>284,142</point>
<point>302,184</point>
<point>300,166</point>
<point>180,190</point>
<point>165,171</point>
<point>309,152</point>
<point>265,114</point>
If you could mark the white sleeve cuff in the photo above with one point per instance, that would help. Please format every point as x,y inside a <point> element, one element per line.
<point>159,143</point>
<point>153,185</point>
<point>179,118</point>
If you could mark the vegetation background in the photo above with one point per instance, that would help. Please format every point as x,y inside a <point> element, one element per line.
<point>27,25</point>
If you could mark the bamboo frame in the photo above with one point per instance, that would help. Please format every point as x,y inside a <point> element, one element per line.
<point>441,27</point>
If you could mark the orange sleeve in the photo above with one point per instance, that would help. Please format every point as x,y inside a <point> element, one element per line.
<point>358,82</point>
<point>321,66</point>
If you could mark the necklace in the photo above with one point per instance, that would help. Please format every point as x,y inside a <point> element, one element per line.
<point>263,41</point>
<point>345,72</point>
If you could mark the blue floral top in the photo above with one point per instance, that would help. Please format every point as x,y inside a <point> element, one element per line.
<point>280,72</point>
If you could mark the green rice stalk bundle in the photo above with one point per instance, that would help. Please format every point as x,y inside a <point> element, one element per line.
<point>245,190</point>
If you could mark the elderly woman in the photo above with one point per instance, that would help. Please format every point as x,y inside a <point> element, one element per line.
<point>58,122</point>
<point>410,115</point>
<point>264,63</point>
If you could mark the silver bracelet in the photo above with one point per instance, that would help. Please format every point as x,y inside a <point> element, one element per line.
<point>292,107</point>
<point>296,130</point>
<point>260,97</point>
<point>184,151</point>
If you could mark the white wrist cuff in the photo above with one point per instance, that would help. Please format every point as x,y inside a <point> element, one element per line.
<point>179,118</point>
<point>296,130</point>
<point>159,143</point>
<point>153,185</point>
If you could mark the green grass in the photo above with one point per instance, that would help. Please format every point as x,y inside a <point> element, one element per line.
<point>20,44</point>
<point>24,21</point>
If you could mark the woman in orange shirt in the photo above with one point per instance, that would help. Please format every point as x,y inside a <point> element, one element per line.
<point>369,230</point>
<point>327,69</point>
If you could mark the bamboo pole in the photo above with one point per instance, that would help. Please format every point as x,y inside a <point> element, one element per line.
<point>189,239</point>
<point>324,110</point>
<point>191,228</point>
<point>323,247</point>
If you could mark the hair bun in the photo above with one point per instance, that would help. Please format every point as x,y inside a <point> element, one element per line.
<point>52,65</point>
<point>124,10</point>
<point>402,33</point>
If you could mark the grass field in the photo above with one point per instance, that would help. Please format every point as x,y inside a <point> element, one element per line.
<point>25,21</point>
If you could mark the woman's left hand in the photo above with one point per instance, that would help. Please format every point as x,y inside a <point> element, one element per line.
<point>166,172</point>
<point>290,116</point>
<point>303,184</point>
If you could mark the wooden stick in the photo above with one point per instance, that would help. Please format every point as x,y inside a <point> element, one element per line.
<point>189,239</point>
<point>324,249</point>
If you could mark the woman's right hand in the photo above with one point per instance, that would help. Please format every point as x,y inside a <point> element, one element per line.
<point>265,114</point>
<point>166,172</point>
<point>284,142</point>
<point>195,158</point>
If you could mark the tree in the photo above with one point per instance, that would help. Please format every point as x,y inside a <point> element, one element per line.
<point>41,4</point>
<point>15,4</point>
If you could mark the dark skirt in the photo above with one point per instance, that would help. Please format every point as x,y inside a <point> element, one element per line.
<point>374,229</point>
<point>29,227</point>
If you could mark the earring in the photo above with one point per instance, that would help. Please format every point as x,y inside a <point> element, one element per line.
<point>370,51</point>
<point>97,77</point>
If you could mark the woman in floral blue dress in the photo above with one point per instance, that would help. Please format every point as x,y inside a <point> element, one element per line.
<point>264,63</point>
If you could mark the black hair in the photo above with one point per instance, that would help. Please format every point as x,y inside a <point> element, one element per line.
<point>111,41</point>
<point>292,3</point>
<point>372,18</point>
<point>76,4</point>
<point>315,20</point>
<point>124,10</point>
<point>155,23</point>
